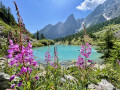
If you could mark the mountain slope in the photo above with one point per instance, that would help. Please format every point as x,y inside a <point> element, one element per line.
<point>106,11</point>
<point>70,26</point>
<point>99,28</point>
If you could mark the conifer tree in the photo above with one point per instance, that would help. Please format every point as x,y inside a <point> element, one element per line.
<point>37,35</point>
<point>107,45</point>
<point>42,36</point>
<point>6,15</point>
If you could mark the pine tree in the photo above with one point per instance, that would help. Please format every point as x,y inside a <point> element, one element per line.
<point>37,35</point>
<point>107,45</point>
<point>42,36</point>
<point>9,16</point>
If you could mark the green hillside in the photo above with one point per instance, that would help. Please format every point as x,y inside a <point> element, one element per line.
<point>7,28</point>
<point>93,31</point>
<point>113,27</point>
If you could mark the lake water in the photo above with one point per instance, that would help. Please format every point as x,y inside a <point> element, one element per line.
<point>65,53</point>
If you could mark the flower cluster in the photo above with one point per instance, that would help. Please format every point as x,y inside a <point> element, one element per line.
<point>55,54</point>
<point>80,62</point>
<point>85,52</point>
<point>54,65</point>
<point>47,57</point>
<point>21,58</point>
<point>12,50</point>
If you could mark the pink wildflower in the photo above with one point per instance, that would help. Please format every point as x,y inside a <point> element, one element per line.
<point>13,86</point>
<point>23,70</point>
<point>54,65</point>
<point>37,78</point>
<point>85,52</point>
<point>20,83</point>
<point>12,77</point>
<point>80,62</point>
<point>47,57</point>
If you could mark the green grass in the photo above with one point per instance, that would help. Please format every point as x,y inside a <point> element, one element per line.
<point>114,28</point>
<point>8,28</point>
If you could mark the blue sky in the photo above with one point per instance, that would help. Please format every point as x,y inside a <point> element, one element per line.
<point>38,13</point>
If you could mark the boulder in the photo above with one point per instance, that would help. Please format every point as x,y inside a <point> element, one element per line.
<point>71,78</point>
<point>103,85</point>
<point>4,81</point>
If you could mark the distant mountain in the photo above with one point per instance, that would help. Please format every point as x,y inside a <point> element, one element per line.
<point>70,26</point>
<point>103,12</point>
<point>95,30</point>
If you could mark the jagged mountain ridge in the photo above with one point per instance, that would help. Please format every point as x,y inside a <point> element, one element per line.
<point>70,26</point>
<point>103,12</point>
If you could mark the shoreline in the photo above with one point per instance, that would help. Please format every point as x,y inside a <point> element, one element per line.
<point>67,64</point>
<point>63,64</point>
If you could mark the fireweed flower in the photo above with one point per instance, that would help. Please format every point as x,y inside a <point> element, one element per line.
<point>12,77</point>
<point>55,54</point>
<point>54,65</point>
<point>89,60</point>
<point>11,42</point>
<point>12,86</point>
<point>37,78</point>
<point>20,83</point>
<point>23,70</point>
<point>12,49</point>
<point>80,62</point>
<point>22,58</point>
<point>85,52</point>
<point>47,57</point>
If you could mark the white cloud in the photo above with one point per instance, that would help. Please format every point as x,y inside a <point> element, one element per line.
<point>89,4</point>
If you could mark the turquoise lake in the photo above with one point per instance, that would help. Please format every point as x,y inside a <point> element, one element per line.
<point>65,53</point>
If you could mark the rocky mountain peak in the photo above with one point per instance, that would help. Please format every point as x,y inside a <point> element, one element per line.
<point>70,18</point>
<point>103,12</point>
